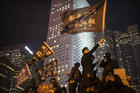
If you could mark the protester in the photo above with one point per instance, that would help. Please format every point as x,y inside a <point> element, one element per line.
<point>88,58</point>
<point>56,87</point>
<point>31,88</point>
<point>90,84</point>
<point>63,90</point>
<point>74,78</point>
<point>108,64</point>
<point>113,84</point>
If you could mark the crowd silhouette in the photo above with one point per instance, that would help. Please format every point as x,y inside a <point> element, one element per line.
<point>87,80</point>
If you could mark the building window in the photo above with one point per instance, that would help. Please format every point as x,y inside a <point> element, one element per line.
<point>65,7</point>
<point>50,60</point>
<point>66,65</point>
<point>53,59</point>
<point>61,85</point>
<point>58,78</point>
<point>68,5</point>
<point>54,47</point>
<point>62,70</point>
<point>66,85</point>
<point>60,9</point>
<point>57,46</point>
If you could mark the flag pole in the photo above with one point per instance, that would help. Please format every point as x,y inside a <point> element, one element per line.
<point>103,21</point>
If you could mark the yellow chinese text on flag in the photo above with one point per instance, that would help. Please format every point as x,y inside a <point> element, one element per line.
<point>88,19</point>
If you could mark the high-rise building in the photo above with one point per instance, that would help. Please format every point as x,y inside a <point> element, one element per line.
<point>17,56</point>
<point>128,53</point>
<point>67,48</point>
<point>7,72</point>
<point>60,44</point>
<point>135,39</point>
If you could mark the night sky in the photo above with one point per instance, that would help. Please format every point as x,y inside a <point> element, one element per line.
<point>27,21</point>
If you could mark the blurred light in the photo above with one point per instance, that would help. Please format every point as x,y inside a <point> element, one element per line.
<point>20,88</point>
<point>66,85</point>
<point>53,59</point>
<point>27,48</point>
<point>66,65</point>
<point>62,70</point>
<point>58,78</point>
<point>61,85</point>
<point>58,67</point>
<point>58,71</point>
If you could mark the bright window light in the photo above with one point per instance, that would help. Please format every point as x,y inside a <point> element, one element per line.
<point>27,48</point>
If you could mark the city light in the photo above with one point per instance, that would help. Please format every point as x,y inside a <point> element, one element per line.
<point>27,48</point>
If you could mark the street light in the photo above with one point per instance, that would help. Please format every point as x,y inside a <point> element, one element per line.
<point>27,48</point>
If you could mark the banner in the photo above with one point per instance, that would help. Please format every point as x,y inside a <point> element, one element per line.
<point>88,19</point>
<point>49,70</point>
<point>23,75</point>
<point>42,52</point>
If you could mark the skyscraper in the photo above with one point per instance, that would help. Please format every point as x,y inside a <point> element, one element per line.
<point>17,56</point>
<point>7,72</point>
<point>135,39</point>
<point>67,48</point>
<point>128,53</point>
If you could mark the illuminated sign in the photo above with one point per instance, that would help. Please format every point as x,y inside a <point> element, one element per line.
<point>23,75</point>
<point>49,70</point>
<point>42,52</point>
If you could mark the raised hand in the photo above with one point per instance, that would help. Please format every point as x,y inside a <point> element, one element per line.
<point>101,41</point>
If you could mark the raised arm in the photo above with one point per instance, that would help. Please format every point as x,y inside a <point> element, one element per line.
<point>96,46</point>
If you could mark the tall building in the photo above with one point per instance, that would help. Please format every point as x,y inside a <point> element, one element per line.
<point>67,48</point>
<point>7,72</point>
<point>135,39</point>
<point>17,56</point>
<point>128,53</point>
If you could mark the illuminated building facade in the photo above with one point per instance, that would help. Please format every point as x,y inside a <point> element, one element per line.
<point>7,72</point>
<point>81,40</point>
<point>135,39</point>
<point>17,56</point>
<point>59,44</point>
<point>67,48</point>
<point>128,53</point>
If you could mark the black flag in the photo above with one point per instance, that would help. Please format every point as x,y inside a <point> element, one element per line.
<point>88,19</point>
